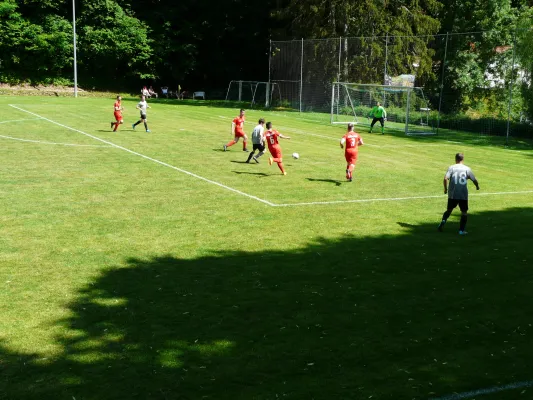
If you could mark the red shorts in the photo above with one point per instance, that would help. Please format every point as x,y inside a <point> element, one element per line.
<point>351,157</point>
<point>275,151</point>
<point>118,116</point>
<point>239,133</point>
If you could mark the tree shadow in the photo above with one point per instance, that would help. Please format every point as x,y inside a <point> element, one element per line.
<point>336,182</point>
<point>415,315</point>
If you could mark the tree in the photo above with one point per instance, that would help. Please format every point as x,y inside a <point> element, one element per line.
<point>114,47</point>
<point>478,62</point>
<point>370,22</point>
<point>35,51</point>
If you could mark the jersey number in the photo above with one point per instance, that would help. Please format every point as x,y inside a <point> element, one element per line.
<point>460,178</point>
<point>352,142</point>
<point>272,141</point>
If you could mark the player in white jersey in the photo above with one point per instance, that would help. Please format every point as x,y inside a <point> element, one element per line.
<point>258,141</point>
<point>458,176</point>
<point>142,106</point>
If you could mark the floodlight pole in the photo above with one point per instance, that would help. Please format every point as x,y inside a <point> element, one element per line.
<point>510,92</point>
<point>74,41</point>
<point>301,74</point>
<point>442,80</point>
<point>268,94</point>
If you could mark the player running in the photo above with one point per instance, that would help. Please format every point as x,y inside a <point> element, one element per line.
<point>237,128</point>
<point>352,140</point>
<point>258,141</point>
<point>142,106</point>
<point>378,113</point>
<point>458,176</point>
<point>271,137</point>
<point>117,111</point>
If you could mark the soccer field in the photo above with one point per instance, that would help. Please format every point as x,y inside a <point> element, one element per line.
<point>140,265</point>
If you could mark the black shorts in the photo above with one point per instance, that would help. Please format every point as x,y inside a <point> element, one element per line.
<point>260,147</point>
<point>143,116</point>
<point>381,121</point>
<point>463,204</point>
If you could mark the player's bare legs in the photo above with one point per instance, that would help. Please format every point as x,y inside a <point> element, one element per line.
<point>231,142</point>
<point>349,171</point>
<point>244,143</point>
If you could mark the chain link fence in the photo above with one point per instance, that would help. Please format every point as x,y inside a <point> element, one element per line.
<point>475,82</point>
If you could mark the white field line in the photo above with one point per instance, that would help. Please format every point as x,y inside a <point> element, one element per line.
<point>480,392</point>
<point>150,158</point>
<point>60,144</point>
<point>312,203</point>
<point>19,120</point>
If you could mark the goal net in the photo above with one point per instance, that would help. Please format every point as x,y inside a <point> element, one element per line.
<point>256,93</point>
<point>407,108</point>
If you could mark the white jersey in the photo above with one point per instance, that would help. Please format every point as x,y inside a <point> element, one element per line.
<point>257,134</point>
<point>458,174</point>
<point>143,105</point>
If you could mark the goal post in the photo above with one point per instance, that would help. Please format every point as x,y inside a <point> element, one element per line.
<point>407,108</point>
<point>253,92</point>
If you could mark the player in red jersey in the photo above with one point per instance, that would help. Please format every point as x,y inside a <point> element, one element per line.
<point>117,111</point>
<point>237,128</point>
<point>352,140</point>
<point>271,137</point>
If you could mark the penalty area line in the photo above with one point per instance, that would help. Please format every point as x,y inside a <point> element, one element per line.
<point>491,390</point>
<point>149,158</point>
<point>313,203</point>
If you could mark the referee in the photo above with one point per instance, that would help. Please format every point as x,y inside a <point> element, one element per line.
<point>258,141</point>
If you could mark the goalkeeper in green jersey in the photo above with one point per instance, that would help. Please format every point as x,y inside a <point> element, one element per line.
<point>378,113</point>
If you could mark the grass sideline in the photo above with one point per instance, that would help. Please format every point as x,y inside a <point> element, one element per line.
<point>125,279</point>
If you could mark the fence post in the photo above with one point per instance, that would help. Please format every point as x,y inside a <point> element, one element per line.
<point>442,80</point>
<point>301,73</point>
<point>338,80</point>
<point>386,60</point>
<point>268,95</point>
<point>510,91</point>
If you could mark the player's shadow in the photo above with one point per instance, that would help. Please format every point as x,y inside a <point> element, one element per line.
<point>389,316</point>
<point>262,174</point>
<point>336,182</point>
<point>241,162</point>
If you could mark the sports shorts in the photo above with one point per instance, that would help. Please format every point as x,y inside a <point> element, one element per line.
<point>260,147</point>
<point>351,157</point>
<point>463,204</point>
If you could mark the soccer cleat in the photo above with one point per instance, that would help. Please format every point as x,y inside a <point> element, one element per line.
<point>246,150</point>
<point>463,233</point>
<point>225,148</point>
<point>284,173</point>
<point>148,131</point>
<point>270,160</point>
<point>112,123</point>
<point>133,126</point>
<point>441,225</point>
<point>349,180</point>
<point>255,159</point>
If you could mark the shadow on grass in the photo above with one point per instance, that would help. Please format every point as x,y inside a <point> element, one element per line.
<point>337,183</point>
<point>251,173</point>
<point>415,315</point>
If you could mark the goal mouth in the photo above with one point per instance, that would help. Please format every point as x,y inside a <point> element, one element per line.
<point>406,107</point>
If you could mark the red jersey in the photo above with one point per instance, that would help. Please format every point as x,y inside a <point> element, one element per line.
<point>352,140</point>
<point>271,137</point>
<point>117,107</point>
<point>239,123</point>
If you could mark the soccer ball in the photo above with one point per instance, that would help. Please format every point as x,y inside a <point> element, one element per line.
<point>295,156</point>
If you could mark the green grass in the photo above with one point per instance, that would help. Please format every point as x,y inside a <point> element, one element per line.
<point>121,278</point>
